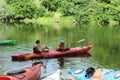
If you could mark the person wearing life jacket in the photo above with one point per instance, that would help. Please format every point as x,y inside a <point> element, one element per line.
<point>37,48</point>
<point>61,46</point>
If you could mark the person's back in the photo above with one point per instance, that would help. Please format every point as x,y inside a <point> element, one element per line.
<point>37,48</point>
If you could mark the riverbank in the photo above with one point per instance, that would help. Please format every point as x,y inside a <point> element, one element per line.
<point>62,20</point>
<point>56,18</point>
<point>51,20</point>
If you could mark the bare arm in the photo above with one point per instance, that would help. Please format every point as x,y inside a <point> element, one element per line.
<point>38,48</point>
<point>97,75</point>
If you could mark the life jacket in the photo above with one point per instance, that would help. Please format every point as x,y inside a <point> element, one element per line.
<point>35,50</point>
<point>61,46</point>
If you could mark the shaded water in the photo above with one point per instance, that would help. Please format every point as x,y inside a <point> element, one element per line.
<point>105,41</point>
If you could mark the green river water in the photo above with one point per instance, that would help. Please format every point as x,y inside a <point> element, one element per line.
<point>104,39</point>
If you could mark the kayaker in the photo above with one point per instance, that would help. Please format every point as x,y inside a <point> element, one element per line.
<point>37,48</point>
<point>61,46</point>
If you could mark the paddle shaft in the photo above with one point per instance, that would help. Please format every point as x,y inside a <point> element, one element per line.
<point>76,42</point>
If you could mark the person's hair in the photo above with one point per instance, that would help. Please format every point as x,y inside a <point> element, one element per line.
<point>37,41</point>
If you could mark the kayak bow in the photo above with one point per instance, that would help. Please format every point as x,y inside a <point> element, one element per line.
<point>29,73</point>
<point>7,42</point>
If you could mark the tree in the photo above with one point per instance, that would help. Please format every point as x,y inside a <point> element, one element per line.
<point>67,8</point>
<point>106,1</point>
<point>5,10</point>
<point>25,9</point>
<point>51,5</point>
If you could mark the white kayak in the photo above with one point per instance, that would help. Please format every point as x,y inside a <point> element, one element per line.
<point>54,76</point>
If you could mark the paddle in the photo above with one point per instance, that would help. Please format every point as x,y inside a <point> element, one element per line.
<point>76,42</point>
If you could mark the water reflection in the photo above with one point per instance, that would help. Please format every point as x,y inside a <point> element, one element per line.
<point>61,62</point>
<point>106,47</point>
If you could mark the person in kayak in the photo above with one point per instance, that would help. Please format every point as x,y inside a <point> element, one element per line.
<point>61,46</point>
<point>37,48</point>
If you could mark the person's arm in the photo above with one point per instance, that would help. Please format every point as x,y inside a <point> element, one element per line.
<point>97,75</point>
<point>39,49</point>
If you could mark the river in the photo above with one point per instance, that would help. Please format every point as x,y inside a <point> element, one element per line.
<point>104,39</point>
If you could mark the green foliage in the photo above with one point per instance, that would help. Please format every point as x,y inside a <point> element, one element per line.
<point>40,11</point>
<point>67,8</point>
<point>96,11</point>
<point>5,10</point>
<point>49,14</point>
<point>83,10</point>
<point>87,12</point>
<point>51,5</point>
<point>25,9</point>
<point>106,1</point>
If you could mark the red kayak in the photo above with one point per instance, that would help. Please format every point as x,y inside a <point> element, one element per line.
<point>29,73</point>
<point>51,53</point>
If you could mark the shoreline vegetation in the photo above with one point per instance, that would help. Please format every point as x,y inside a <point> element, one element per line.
<point>51,20</point>
<point>61,11</point>
<point>63,20</point>
<point>60,20</point>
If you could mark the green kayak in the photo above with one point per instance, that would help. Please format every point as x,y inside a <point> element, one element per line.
<point>7,42</point>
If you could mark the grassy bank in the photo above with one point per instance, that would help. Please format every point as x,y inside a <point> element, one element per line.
<point>51,20</point>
